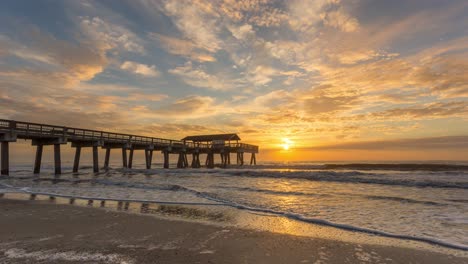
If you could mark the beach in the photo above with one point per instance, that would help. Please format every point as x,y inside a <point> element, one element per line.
<point>49,232</point>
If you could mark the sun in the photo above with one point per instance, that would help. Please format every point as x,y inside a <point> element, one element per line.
<point>287,143</point>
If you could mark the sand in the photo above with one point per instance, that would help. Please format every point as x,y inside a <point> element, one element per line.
<point>44,232</point>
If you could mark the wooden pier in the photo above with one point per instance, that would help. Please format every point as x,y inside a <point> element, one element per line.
<point>49,135</point>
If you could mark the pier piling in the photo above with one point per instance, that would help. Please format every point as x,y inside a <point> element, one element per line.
<point>166,159</point>
<point>76,162</point>
<point>95,159</point>
<point>148,158</point>
<point>37,162</point>
<point>5,163</point>
<point>124,157</point>
<point>253,159</point>
<point>107,158</point>
<point>57,159</point>
<point>130,158</point>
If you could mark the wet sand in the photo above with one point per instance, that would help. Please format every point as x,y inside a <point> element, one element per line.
<point>41,232</point>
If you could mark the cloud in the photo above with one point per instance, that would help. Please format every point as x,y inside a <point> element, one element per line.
<point>53,58</point>
<point>182,47</point>
<point>262,74</point>
<point>305,16</point>
<point>427,111</point>
<point>188,105</point>
<point>258,12</point>
<point>197,21</point>
<point>141,69</point>
<point>200,78</point>
<point>243,32</point>
<point>445,142</point>
<point>153,97</point>
<point>105,36</point>
<point>340,19</point>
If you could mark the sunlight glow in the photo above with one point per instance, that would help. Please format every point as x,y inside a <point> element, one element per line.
<point>287,143</point>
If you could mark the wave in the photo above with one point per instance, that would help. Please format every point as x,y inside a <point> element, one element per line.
<point>373,197</point>
<point>316,175</point>
<point>319,221</point>
<point>398,167</point>
<point>403,200</point>
<point>371,166</point>
<point>349,176</point>
<point>248,189</point>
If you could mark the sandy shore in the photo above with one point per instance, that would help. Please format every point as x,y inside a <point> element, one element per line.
<point>41,232</point>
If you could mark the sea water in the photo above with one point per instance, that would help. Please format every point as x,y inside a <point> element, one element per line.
<point>415,202</point>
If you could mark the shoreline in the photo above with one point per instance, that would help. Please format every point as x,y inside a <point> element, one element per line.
<point>41,226</point>
<point>247,218</point>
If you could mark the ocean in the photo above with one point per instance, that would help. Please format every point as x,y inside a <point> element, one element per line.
<point>427,202</point>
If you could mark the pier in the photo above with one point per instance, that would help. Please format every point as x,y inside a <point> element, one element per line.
<point>50,135</point>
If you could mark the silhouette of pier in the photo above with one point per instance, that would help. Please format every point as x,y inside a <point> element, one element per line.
<point>50,135</point>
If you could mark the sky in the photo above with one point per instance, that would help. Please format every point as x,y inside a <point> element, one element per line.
<point>331,79</point>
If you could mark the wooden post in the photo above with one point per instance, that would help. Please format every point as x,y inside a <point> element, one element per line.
<point>210,160</point>
<point>241,158</point>
<point>238,158</point>
<point>252,158</point>
<point>146,158</point>
<point>57,160</point>
<point>130,159</point>
<point>37,162</point>
<point>229,158</point>
<point>194,160</point>
<point>166,159</point>
<point>76,162</point>
<point>5,170</point>
<point>185,160</point>
<point>150,159</point>
<point>95,159</point>
<point>124,157</point>
<point>106,161</point>
<point>180,161</point>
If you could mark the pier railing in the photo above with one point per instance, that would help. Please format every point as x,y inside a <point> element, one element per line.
<point>35,130</point>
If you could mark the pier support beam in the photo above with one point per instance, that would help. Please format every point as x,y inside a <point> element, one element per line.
<point>130,159</point>
<point>210,160</point>
<point>240,158</point>
<point>40,143</point>
<point>253,159</point>
<point>107,158</point>
<point>166,159</point>
<point>182,162</point>
<point>79,144</point>
<point>37,162</point>
<point>195,160</point>
<point>57,159</point>
<point>124,157</point>
<point>76,162</point>
<point>148,158</point>
<point>5,163</point>
<point>95,159</point>
<point>224,159</point>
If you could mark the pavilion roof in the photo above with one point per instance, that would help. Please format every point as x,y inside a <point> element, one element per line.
<point>207,138</point>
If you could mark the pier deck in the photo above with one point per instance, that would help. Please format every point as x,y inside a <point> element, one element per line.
<point>43,134</point>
